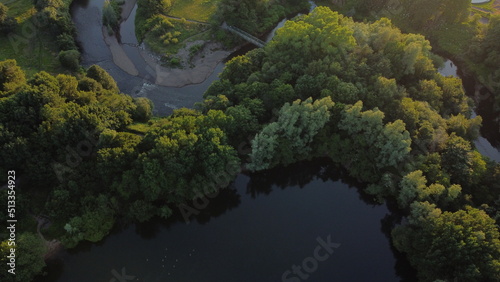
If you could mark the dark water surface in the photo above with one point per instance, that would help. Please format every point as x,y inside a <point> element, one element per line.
<point>488,143</point>
<point>255,230</point>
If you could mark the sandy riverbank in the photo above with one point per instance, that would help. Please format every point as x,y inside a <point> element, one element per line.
<point>203,63</point>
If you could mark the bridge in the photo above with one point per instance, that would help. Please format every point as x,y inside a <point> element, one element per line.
<point>245,35</point>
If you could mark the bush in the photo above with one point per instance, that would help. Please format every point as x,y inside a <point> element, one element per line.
<point>42,4</point>
<point>175,62</point>
<point>109,15</point>
<point>100,75</point>
<point>70,59</point>
<point>144,109</point>
<point>66,42</point>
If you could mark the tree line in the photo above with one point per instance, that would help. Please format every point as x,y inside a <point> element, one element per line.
<point>370,98</point>
<point>365,95</point>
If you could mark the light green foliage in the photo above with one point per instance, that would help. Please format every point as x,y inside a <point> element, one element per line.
<point>422,211</point>
<point>289,138</point>
<point>100,75</point>
<point>144,109</point>
<point>188,157</point>
<point>372,145</point>
<point>454,98</point>
<point>414,188</point>
<point>91,226</point>
<point>11,77</point>
<point>263,148</point>
<point>463,244</point>
<point>425,125</point>
<point>464,165</point>
<point>463,127</point>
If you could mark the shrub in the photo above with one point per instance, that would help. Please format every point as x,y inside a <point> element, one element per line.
<point>144,109</point>
<point>70,59</point>
<point>66,42</point>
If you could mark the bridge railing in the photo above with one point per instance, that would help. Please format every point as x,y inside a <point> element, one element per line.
<point>244,34</point>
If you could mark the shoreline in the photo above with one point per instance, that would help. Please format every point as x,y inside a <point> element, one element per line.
<point>204,62</point>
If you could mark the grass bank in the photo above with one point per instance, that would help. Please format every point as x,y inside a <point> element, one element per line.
<point>198,10</point>
<point>39,36</point>
<point>29,44</point>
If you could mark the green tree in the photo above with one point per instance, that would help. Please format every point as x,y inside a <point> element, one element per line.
<point>461,245</point>
<point>290,138</point>
<point>11,78</point>
<point>100,75</point>
<point>144,110</point>
<point>370,145</point>
<point>70,59</point>
<point>29,250</point>
<point>109,15</point>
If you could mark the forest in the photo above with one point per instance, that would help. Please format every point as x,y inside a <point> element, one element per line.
<point>363,94</point>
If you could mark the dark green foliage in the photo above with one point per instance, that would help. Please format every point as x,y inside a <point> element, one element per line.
<point>30,249</point>
<point>7,23</point>
<point>66,42</point>
<point>486,53</point>
<point>144,110</point>
<point>256,16</point>
<point>70,59</point>
<point>100,75</point>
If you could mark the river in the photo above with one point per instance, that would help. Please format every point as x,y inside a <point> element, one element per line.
<point>487,143</point>
<point>261,228</point>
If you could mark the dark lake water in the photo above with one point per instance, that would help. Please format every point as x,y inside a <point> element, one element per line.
<point>255,230</point>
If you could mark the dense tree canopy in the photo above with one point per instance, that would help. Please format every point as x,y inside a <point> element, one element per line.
<point>370,98</point>
<point>256,16</point>
<point>461,245</point>
<point>365,95</point>
<point>76,133</point>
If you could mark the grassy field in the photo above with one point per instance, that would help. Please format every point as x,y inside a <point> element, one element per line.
<point>186,29</point>
<point>199,10</point>
<point>32,48</point>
